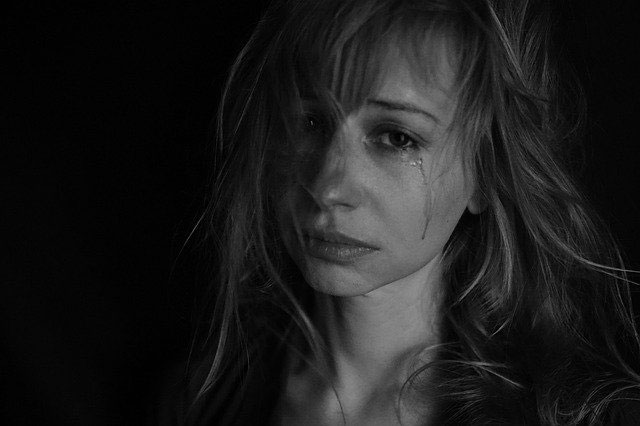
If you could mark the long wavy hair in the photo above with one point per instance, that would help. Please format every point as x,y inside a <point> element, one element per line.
<point>538,317</point>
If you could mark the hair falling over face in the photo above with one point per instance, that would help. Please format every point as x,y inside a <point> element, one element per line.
<point>538,323</point>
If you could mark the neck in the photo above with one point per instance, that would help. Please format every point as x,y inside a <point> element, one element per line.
<point>372,338</point>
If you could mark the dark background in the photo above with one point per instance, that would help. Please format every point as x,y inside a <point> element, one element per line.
<point>106,113</point>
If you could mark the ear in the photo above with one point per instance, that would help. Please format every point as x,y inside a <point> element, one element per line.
<point>477,202</point>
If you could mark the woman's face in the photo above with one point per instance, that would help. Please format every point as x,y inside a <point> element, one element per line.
<point>377,199</point>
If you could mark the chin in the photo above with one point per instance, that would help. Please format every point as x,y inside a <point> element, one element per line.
<point>338,280</point>
<point>358,278</point>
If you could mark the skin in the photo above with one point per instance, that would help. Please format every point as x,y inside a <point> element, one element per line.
<point>391,177</point>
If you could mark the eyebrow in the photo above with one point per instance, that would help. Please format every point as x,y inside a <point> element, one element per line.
<point>401,106</point>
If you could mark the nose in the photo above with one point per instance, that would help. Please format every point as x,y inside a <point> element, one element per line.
<point>334,179</point>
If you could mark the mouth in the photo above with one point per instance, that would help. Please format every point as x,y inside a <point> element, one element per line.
<point>336,247</point>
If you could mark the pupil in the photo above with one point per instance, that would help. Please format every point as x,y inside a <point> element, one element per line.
<point>312,124</point>
<point>398,139</point>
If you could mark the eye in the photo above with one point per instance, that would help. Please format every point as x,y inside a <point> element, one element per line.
<point>397,139</point>
<point>311,123</point>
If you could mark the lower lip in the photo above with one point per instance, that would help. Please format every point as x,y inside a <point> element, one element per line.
<point>336,252</point>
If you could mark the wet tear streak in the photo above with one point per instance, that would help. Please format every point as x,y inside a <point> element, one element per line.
<point>418,164</point>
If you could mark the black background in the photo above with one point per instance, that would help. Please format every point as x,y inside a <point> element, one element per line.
<point>104,135</point>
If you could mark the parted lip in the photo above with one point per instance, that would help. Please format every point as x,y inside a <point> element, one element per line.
<point>337,237</point>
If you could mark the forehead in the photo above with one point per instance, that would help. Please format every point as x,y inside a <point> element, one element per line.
<point>424,78</point>
<point>341,60</point>
<point>412,65</point>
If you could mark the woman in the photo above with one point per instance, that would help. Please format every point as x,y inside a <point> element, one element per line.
<point>397,237</point>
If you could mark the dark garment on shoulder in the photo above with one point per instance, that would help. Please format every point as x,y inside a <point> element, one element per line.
<point>243,396</point>
<point>625,413</point>
<point>239,400</point>
<point>259,396</point>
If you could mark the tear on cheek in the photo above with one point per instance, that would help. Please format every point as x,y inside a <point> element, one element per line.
<point>419,165</point>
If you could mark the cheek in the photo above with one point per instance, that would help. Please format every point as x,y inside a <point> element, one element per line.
<point>448,199</point>
<point>410,196</point>
<point>425,212</point>
<point>409,212</point>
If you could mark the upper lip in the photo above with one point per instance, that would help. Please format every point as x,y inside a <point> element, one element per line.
<point>337,237</point>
